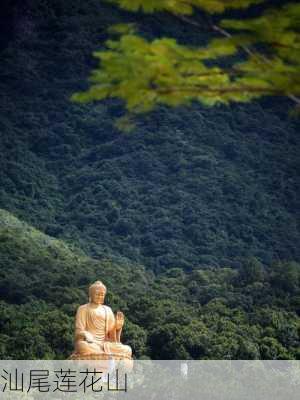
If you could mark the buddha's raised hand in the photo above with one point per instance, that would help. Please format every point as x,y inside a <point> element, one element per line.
<point>119,320</point>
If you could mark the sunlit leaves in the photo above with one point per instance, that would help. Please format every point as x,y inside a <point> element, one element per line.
<point>146,73</point>
<point>184,7</point>
<point>278,31</point>
<point>277,28</point>
<point>122,29</point>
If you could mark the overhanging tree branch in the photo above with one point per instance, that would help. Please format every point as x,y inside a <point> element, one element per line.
<point>260,58</point>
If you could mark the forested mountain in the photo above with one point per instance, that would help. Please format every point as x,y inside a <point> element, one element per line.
<point>190,186</point>
<point>209,313</point>
<point>188,194</point>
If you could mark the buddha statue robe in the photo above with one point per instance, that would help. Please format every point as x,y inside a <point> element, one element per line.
<point>95,334</point>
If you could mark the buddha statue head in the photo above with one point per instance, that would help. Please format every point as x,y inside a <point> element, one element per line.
<point>97,292</point>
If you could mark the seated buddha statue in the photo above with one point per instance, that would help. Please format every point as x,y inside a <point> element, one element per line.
<point>98,330</point>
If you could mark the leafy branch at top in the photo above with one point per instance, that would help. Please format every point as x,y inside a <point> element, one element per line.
<point>146,73</point>
<point>184,7</point>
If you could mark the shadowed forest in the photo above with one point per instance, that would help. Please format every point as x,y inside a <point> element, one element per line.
<point>191,220</point>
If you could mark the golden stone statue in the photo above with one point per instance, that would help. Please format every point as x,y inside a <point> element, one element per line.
<point>98,330</point>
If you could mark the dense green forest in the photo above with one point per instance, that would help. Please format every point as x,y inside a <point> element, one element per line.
<point>216,313</point>
<point>191,220</point>
<point>189,187</point>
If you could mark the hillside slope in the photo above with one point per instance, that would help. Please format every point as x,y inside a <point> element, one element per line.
<point>191,186</point>
<point>207,314</point>
<point>43,281</point>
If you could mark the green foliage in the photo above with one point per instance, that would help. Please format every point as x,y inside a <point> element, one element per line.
<point>251,272</point>
<point>183,7</point>
<point>186,194</point>
<point>199,186</point>
<point>278,29</point>
<point>285,276</point>
<point>44,280</point>
<point>208,314</point>
<point>147,73</point>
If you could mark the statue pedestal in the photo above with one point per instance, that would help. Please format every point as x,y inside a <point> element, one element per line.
<point>98,356</point>
<point>105,360</point>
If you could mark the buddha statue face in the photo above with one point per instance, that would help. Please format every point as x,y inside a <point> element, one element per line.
<point>97,293</point>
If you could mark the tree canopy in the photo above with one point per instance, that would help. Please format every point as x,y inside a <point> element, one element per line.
<point>215,313</point>
<point>204,198</point>
<point>244,59</point>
